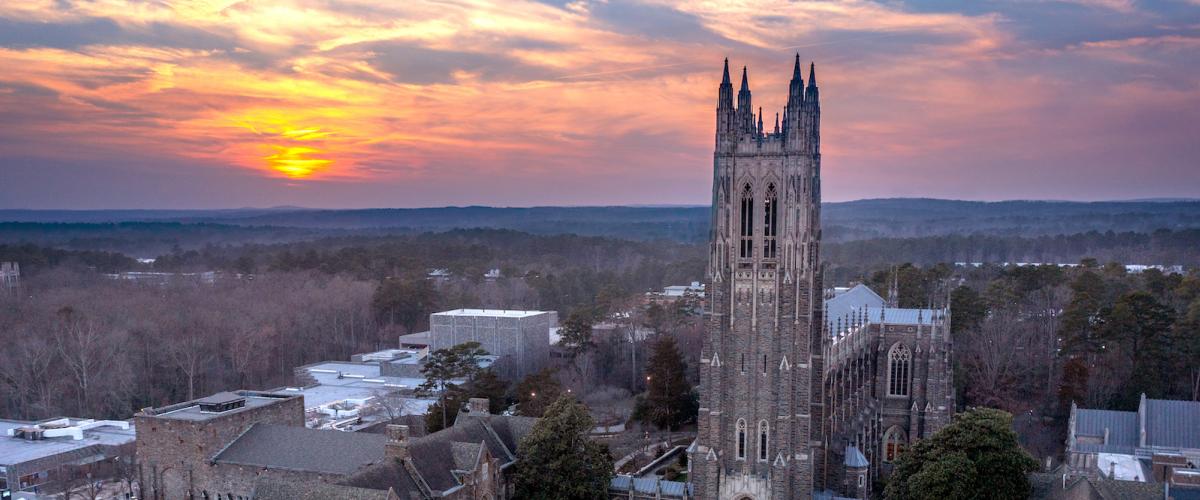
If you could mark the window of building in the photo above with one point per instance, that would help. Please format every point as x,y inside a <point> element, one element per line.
<point>894,442</point>
<point>747,223</point>
<point>741,439</point>
<point>743,360</point>
<point>762,440</point>
<point>764,364</point>
<point>770,222</point>
<point>899,370</point>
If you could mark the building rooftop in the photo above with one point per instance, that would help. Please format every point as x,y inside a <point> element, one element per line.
<point>492,313</point>
<point>1121,426</point>
<point>16,450</point>
<point>200,409</point>
<point>303,449</point>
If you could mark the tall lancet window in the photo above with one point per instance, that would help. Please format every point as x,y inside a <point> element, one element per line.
<point>899,370</point>
<point>763,429</point>
<point>741,439</point>
<point>894,442</point>
<point>747,232</point>
<point>770,222</point>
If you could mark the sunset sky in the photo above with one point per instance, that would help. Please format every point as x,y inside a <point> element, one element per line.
<point>347,103</point>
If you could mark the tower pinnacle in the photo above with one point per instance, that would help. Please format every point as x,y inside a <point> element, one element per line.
<point>745,81</point>
<point>812,74</point>
<point>725,77</point>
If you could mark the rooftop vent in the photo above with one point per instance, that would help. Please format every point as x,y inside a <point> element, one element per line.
<point>221,402</point>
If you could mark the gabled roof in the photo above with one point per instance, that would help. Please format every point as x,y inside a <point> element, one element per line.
<point>1122,430</point>
<point>1172,424</point>
<point>436,456</point>
<point>846,302</point>
<point>303,449</point>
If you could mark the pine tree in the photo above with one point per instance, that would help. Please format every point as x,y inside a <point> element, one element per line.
<point>559,461</point>
<point>668,401</point>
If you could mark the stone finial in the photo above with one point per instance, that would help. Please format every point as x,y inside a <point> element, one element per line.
<point>745,81</point>
<point>725,77</point>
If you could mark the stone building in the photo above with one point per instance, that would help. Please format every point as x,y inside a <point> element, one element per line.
<point>888,381</point>
<point>10,275</point>
<point>176,443</point>
<point>244,445</point>
<point>520,339</point>
<point>800,397</point>
<point>760,433</point>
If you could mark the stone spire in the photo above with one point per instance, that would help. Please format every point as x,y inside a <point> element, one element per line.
<point>777,123</point>
<point>744,107</point>
<point>760,125</point>
<point>725,77</point>
<point>725,91</point>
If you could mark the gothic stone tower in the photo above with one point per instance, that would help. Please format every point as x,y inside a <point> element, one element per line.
<point>759,424</point>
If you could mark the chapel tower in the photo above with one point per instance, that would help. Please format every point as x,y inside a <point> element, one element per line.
<point>760,434</point>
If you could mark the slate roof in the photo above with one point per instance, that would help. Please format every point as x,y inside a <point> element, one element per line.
<point>466,455</point>
<point>436,456</point>
<point>1172,424</point>
<point>273,489</point>
<point>303,449</point>
<point>388,475</point>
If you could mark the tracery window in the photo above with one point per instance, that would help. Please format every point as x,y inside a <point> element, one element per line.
<point>894,442</point>
<point>741,439</point>
<point>747,223</point>
<point>899,370</point>
<point>763,430</point>
<point>770,222</point>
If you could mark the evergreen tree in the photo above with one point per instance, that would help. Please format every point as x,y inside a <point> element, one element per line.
<point>668,401</point>
<point>1141,327</point>
<point>558,461</point>
<point>536,392</point>
<point>443,368</point>
<point>975,457</point>
<point>1083,312</point>
<point>967,308</point>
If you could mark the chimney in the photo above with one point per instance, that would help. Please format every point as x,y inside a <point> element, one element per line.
<point>397,443</point>
<point>478,405</point>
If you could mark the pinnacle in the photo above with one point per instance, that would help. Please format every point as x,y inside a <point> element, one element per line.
<point>796,69</point>
<point>745,80</point>
<point>812,74</point>
<point>725,78</point>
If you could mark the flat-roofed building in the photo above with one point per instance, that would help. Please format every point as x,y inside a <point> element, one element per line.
<point>176,443</point>
<point>42,456</point>
<point>521,339</point>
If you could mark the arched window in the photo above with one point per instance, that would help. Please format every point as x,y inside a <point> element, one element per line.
<point>741,439</point>
<point>763,439</point>
<point>747,226</point>
<point>899,370</point>
<point>770,222</point>
<point>894,442</point>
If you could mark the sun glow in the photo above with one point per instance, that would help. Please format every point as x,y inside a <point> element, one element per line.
<point>297,162</point>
